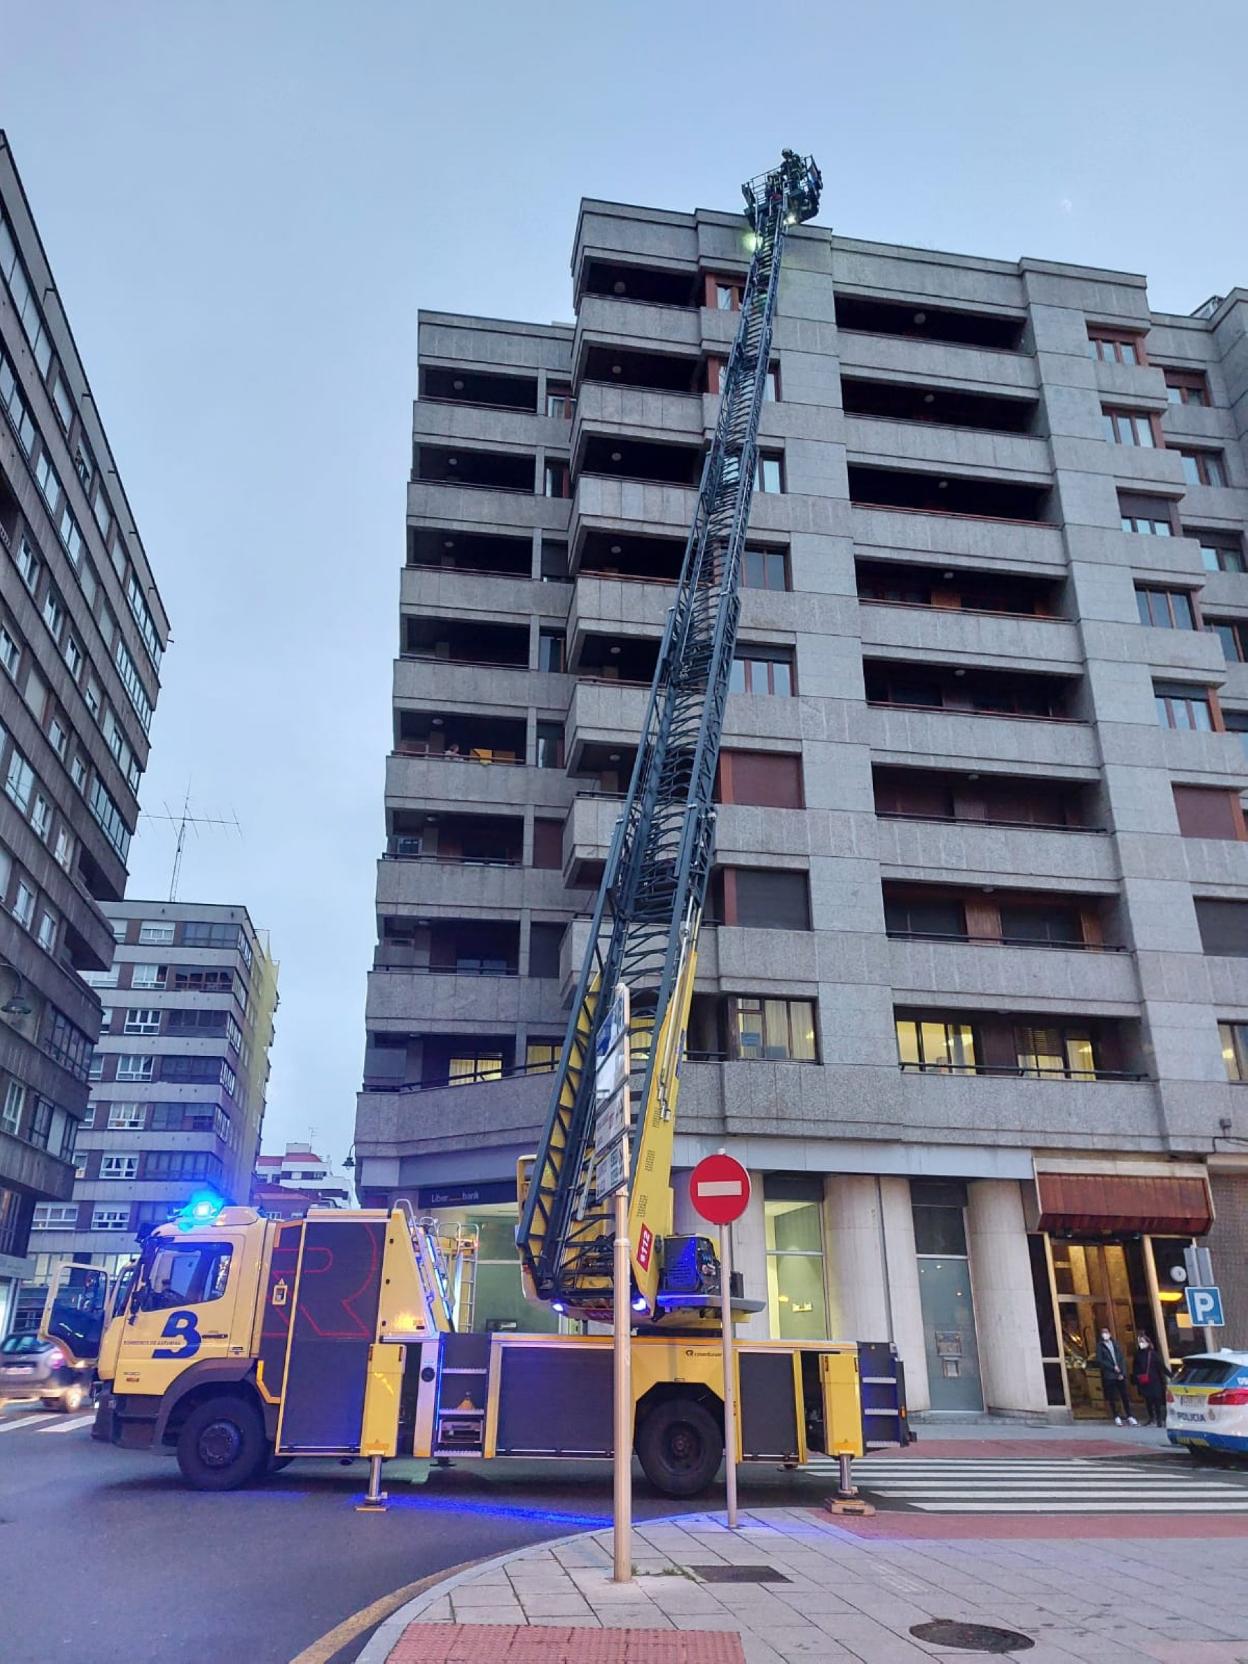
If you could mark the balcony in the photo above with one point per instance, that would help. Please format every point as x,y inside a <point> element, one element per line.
<point>997,332</point>
<point>1026,546</point>
<point>613,554</point>
<point>960,365</point>
<point>991,455</point>
<point>444,685</point>
<point>401,996</point>
<point>617,607</point>
<point>1003,640</point>
<point>430,1119</point>
<point>435,781</point>
<point>452,422</point>
<point>609,324</point>
<point>1049,980</point>
<point>1107,1112</point>
<point>483,509</point>
<point>638,415</point>
<point>937,739</point>
<point>476,889</point>
<point>497,596</point>
<point>991,853</point>
<point>603,713</point>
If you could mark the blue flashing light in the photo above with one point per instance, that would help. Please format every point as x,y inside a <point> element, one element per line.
<point>640,1303</point>
<point>201,1209</point>
<point>558,1306</point>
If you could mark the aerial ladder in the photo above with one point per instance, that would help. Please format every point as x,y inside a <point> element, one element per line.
<point>644,930</point>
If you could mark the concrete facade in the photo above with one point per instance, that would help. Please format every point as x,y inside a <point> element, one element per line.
<point>178,1081</point>
<point>82,630</point>
<point>1005,635</point>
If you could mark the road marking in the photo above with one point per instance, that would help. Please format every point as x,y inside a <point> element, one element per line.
<point>1149,1507</point>
<point>1080,1485</point>
<point>368,1617</point>
<point>26,1421</point>
<point>71,1424</point>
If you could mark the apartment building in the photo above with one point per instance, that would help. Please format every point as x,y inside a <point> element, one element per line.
<point>286,1186</point>
<point>178,1082</point>
<point>972,995</point>
<point>82,630</point>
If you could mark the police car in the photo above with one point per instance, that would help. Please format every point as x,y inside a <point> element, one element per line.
<point>1207,1403</point>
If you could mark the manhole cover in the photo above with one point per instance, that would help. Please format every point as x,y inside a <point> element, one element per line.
<point>947,1632</point>
<point>739,1574</point>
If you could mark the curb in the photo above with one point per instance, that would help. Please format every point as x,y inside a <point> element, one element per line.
<point>387,1633</point>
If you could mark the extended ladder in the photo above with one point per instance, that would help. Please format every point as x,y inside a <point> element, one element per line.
<point>649,905</point>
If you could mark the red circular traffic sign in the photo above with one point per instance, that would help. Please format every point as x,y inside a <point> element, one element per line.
<point>719,1188</point>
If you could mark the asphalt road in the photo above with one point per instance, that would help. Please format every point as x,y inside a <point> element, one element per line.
<point>107,1558</point>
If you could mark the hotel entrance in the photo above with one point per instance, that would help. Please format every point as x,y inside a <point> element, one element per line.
<point>1099,1285</point>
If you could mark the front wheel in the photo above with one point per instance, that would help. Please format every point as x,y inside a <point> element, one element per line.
<point>680,1446</point>
<point>222,1444</point>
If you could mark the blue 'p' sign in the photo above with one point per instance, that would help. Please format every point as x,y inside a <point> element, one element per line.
<point>1204,1307</point>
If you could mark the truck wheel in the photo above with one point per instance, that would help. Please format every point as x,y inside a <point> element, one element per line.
<point>221,1445</point>
<point>680,1446</point>
<point>70,1400</point>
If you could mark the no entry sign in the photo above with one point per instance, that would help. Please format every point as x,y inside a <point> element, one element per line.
<point>719,1188</point>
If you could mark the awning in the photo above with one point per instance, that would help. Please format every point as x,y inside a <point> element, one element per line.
<point>1103,1203</point>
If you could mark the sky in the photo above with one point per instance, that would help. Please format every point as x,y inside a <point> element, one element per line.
<point>245,203</point>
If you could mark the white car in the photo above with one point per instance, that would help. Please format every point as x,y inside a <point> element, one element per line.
<point>1207,1403</point>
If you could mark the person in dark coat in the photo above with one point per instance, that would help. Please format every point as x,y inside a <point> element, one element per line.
<point>1150,1375</point>
<point>1113,1368</point>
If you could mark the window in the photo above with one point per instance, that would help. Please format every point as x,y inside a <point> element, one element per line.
<point>765,779</point>
<point>1181,706</point>
<point>769,472</point>
<point>475,1066</point>
<point>73,656</point>
<point>110,1219</point>
<point>559,401</point>
<point>1147,515</point>
<point>109,816</point>
<point>40,1124</point>
<point>550,745</point>
<point>541,1056</point>
<point>119,1167</point>
<point>149,976</point>
<point>1219,552</point>
<point>28,566</point>
<point>78,771</point>
<point>198,933</point>
<point>233,1034</point>
<point>194,979</point>
<point>203,1022</point>
<point>1203,467</point>
<point>55,1216</point>
<point>185,1276</point>
<point>1233,635</point>
<point>62,401</point>
<point>1223,927</point>
<point>96,1071</point>
<point>557,480</point>
<point>1236,722</point>
<point>46,934</point>
<point>1186,387</point>
<point>41,816</point>
<point>11,1113</point>
<point>63,849</point>
<point>155,933</point>
<point>765,569</point>
<point>924,916</point>
<point>762,670</point>
<point>24,904</point>
<point>717,369</point>
<point>1055,1051</point>
<point>126,1117</point>
<point>762,900</point>
<point>132,683</point>
<point>550,650</point>
<point>58,737</point>
<point>761,1030</point>
<point>1165,609</point>
<point>45,475</point>
<point>1130,427</point>
<point>1116,346</point>
<point>135,1066</point>
<point>84,462</point>
<point>1234,1038</point>
<point>1209,812</point>
<point>936,1045</point>
<point>724,294</point>
<point>19,781</point>
<point>793,1229</point>
<point>71,537</point>
<point>10,652</point>
<point>143,1020</point>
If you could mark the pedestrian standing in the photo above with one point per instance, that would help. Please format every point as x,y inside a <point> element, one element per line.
<point>1150,1375</point>
<point>1113,1368</point>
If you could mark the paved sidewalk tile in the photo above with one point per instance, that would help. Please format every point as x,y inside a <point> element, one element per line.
<point>473,1644</point>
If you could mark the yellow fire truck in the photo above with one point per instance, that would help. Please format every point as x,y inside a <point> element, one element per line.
<point>240,1341</point>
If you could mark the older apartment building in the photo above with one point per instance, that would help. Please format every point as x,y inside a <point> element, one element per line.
<point>82,631</point>
<point>178,1082</point>
<point>972,998</point>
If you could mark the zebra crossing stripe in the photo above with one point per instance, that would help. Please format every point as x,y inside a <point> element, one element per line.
<point>1079,1485</point>
<point>70,1424</point>
<point>25,1421</point>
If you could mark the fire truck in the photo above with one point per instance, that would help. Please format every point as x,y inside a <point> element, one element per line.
<point>241,1342</point>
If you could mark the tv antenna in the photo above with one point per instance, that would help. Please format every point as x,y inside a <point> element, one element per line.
<point>182,822</point>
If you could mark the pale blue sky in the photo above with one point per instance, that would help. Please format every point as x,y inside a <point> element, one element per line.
<point>246,203</point>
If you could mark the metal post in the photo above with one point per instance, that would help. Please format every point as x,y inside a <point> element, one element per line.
<point>374,1498</point>
<point>623,1465</point>
<point>845,1486</point>
<point>730,1385</point>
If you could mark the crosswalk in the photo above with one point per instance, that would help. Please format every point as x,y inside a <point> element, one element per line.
<point>46,1421</point>
<point>1022,1485</point>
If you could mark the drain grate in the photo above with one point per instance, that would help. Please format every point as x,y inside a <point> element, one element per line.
<point>948,1632</point>
<point>738,1574</point>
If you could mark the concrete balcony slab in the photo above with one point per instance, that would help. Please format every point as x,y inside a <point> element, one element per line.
<point>948,635</point>
<point>407,1001</point>
<point>452,1118</point>
<point>498,597</point>
<point>443,684</point>
<point>965,974</point>
<point>1026,546</point>
<point>436,422</point>
<point>946,739</point>
<point>442,784</point>
<point>940,364</point>
<point>961,850</point>
<point>478,508</point>
<point>466,890</point>
<point>1015,456</point>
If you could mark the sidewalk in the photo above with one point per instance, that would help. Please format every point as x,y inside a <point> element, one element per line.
<point>807,1588</point>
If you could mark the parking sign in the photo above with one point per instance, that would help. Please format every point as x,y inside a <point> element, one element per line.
<point>1204,1307</point>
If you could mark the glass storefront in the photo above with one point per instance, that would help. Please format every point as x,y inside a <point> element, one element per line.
<point>945,1294</point>
<point>796,1294</point>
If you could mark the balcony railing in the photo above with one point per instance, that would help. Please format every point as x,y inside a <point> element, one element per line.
<point>1019,1071</point>
<point>453,860</point>
<point>950,514</point>
<point>961,710</point>
<point>478,1078</point>
<point>1012,825</point>
<point>976,612</point>
<point>420,748</point>
<point>447,970</point>
<point>1077,943</point>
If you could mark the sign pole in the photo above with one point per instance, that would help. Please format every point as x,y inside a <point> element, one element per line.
<point>730,1385</point>
<point>623,1460</point>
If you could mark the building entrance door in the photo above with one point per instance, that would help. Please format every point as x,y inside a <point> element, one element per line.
<point>1100,1285</point>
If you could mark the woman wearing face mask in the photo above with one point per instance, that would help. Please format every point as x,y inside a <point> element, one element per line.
<point>1150,1375</point>
<point>1113,1368</point>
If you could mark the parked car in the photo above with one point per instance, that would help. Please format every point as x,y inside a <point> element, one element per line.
<point>34,1368</point>
<point>1207,1404</point>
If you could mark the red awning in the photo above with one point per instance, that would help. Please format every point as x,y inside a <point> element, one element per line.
<point>1101,1203</point>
